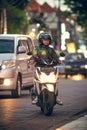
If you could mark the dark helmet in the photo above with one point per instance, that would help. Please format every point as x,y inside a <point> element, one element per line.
<point>45,36</point>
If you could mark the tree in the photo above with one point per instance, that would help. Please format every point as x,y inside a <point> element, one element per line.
<point>16,18</point>
<point>79,8</point>
<point>20,4</point>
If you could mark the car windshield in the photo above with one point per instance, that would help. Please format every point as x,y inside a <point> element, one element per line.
<point>75,57</point>
<point>6,46</point>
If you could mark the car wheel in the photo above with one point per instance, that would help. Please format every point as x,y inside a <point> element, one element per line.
<point>85,75</point>
<point>17,92</point>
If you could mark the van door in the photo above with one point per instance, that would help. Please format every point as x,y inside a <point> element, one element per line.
<point>27,70</point>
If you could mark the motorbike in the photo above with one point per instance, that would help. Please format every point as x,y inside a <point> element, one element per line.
<point>45,80</point>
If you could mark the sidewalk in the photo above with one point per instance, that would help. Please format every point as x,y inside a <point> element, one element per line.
<point>79,124</point>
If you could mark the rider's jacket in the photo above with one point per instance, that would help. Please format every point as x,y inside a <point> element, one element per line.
<point>43,50</point>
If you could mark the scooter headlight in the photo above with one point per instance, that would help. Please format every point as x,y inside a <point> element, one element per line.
<point>51,78</point>
<point>47,77</point>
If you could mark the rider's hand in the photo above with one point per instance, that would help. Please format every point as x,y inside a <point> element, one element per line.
<point>31,61</point>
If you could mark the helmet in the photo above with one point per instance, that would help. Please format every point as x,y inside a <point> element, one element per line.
<point>45,36</point>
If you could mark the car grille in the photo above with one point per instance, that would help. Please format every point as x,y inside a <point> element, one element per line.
<point>76,66</point>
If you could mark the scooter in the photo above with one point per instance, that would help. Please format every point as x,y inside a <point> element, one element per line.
<point>45,79</point>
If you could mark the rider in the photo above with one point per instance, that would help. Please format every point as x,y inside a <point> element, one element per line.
<point>45,48</point>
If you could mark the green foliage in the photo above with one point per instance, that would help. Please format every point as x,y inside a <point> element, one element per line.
<point>16,20</point>
<point>16,17</point>
<point>21,4</point>
<point>79,8</point>
<point>66,14</point>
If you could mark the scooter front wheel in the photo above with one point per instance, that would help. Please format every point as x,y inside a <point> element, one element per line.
<point>48,102</point>
<point>48,110</point>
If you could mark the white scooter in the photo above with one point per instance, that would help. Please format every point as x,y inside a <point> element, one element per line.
<point>46,77</point>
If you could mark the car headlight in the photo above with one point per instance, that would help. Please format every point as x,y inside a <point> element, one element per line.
<point>85,66</point>
<point>8,64</point>
<point>68,67</point>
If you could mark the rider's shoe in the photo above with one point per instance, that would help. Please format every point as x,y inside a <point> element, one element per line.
<point>59,102</point>
<point>35,100</point>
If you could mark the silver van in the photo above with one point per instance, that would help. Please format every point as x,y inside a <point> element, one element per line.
<point>15,71</point>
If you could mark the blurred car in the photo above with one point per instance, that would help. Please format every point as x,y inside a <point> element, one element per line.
<point>75,63</point>
<point>15,71</point>
<point>61,68</point>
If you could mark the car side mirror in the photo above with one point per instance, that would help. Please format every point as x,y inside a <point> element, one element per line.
<point>21,49</point>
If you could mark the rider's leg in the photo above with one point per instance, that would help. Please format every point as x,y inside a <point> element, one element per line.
<point>58,100</point>
<point>34,96</point>
<point>35,100</point>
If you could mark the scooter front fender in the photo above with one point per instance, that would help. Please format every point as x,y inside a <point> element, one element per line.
<point>49,87</point>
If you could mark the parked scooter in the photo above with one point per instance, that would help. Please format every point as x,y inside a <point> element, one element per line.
<point>45,79</point>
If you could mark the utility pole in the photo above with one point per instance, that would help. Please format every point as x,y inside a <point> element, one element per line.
<point>59,23</point>
<point>3,24</point>
<point>5,21</point>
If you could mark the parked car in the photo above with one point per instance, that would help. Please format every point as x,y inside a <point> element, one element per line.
<point>15,71</point>
<point>75,63</point>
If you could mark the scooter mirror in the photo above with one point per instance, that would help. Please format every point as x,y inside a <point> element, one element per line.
<point>62,54</point>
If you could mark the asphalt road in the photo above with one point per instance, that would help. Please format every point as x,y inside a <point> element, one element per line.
<point>20,114</point>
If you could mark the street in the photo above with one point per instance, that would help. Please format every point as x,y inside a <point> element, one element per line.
<point>20,114</point>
